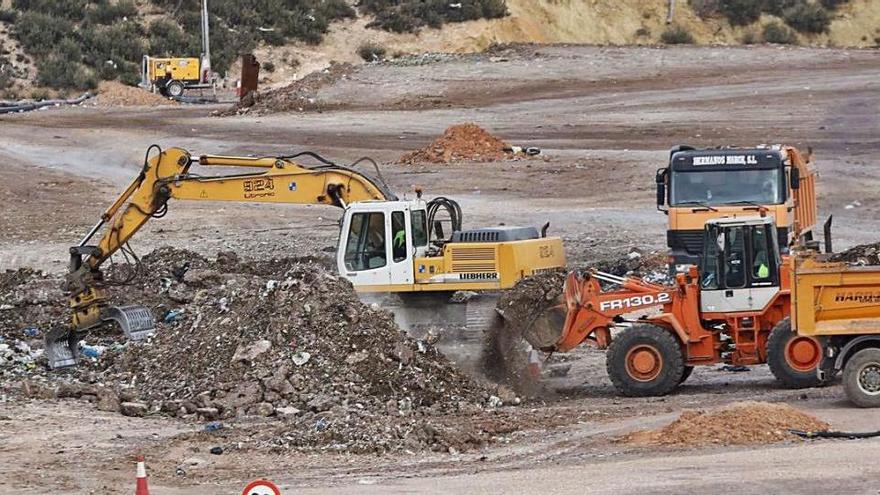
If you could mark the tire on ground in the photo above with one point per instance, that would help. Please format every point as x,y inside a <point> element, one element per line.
<point>174,88</point>
<point>657,346</point>
<point>861,378</point>
<point>687,373</point>
<point>786,374</point>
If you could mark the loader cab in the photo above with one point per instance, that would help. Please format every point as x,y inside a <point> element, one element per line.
<point>739,270</point>
<point>379,240</point>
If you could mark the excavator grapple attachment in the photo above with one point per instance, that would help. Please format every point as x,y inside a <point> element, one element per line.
<point>136,322</point>
<point>61,344</point>
<point>60,348</point>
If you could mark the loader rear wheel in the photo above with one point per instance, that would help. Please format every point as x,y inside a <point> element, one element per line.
<point>861,378</point>
<point>645,360</point>
<point>793,358</point>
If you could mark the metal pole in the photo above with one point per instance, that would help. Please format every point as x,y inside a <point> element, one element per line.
<point>671,12</point>
<point>206,44</point>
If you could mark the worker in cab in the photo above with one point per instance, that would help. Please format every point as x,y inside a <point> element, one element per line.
<point>398,243</point>
<point>761,261</point>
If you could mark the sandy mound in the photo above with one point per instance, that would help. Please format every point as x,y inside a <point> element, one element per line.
<point>116,94</point>
<point>462,142</point>
<point>735,424</point>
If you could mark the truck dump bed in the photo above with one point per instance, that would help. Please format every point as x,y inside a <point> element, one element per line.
<point>833,298</point>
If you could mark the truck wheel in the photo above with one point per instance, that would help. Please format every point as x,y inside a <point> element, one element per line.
<point>174,89</point>
<point>793,358</point>
<point>861,378</point>
<point>645,360</point>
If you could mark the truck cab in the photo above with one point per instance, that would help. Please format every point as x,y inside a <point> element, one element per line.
<point>701,184</point>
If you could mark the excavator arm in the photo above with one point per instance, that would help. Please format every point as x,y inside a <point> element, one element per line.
<point>166,176</point>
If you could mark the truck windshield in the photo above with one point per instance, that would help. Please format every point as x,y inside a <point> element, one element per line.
<point>720,187</point>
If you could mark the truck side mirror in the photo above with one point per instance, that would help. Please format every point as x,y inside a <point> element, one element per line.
<point>660,179</point>
<point>795,176</point>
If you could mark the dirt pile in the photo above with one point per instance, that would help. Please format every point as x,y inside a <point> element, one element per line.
<point>298,96</point>
<point>283,339</point>
<point>116,94</point>
<point>735,424</point>
<point>862,255</point>
<point>462,142</point>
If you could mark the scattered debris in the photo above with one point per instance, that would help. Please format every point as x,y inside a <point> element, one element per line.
<point>862,255</point>
<point>734,424</point>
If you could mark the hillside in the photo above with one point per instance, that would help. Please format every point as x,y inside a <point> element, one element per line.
<point>71,46</point>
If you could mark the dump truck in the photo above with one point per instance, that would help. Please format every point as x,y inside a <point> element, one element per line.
<point>726,310</point>
<point>838,304</point>
<point>386,244</point>
<point>701,184</point>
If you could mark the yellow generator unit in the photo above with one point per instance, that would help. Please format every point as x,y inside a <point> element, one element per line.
<point>170,76</point>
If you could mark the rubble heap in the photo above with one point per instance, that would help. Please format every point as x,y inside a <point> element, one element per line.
<point>735,424</point>
<point>283,339</point>
<point>462,142</point>
<point>298,96</point>
<point>863,255</point>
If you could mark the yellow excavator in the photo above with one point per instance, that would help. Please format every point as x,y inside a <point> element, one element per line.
<point>386,244</point>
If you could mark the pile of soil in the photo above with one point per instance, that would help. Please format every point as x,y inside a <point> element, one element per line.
<point>739,423</point>
<point>116,94</point>
<point>298,96</point>
<point>283,339</point>
<point>863,255</point>
<point>462,142</point>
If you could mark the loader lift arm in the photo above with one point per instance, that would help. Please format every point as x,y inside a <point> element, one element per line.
<point>592,311</point>
<point>166,175</point>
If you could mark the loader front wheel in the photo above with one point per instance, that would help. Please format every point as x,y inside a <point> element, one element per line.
<point>861,378</point>
<point>793,358</point>
<point>645,360</point>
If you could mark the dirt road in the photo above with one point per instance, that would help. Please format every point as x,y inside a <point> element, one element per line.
<point>604,118</point>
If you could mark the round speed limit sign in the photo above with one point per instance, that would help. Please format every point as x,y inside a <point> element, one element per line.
<point>261,487</point>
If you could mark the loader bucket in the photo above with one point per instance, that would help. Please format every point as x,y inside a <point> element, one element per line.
<point>545,330</point>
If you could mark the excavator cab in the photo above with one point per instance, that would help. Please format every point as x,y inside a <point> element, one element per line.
<point>379,240</point>
<point>739,270</point>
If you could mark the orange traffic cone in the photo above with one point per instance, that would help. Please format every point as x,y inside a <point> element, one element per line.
<point>142,488</point>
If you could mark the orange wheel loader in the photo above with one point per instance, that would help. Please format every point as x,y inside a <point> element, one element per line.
<point>733,309</point>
